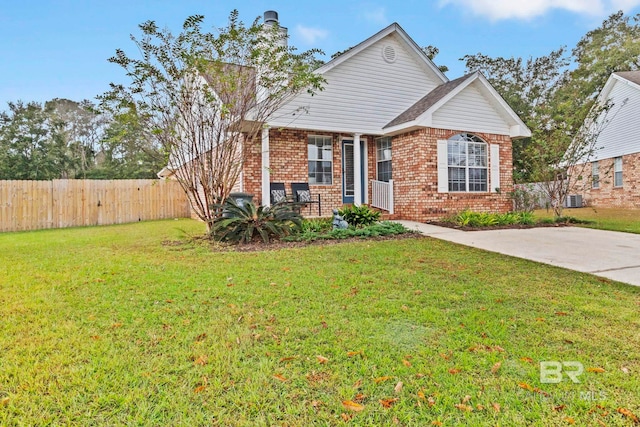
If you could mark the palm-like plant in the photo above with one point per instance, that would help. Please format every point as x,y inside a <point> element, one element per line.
<point>240,223</point>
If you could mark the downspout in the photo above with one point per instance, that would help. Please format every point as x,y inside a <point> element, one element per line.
<point>266,171</point>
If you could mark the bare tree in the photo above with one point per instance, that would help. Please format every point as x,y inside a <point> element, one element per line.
<point>205,97</point>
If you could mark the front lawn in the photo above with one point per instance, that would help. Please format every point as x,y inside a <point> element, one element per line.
<point>137,325</point>
<point>613,219</point>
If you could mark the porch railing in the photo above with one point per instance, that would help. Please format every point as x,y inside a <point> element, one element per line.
<point>382,195</point>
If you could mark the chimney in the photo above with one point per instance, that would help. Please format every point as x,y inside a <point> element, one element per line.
<point>271,18</point>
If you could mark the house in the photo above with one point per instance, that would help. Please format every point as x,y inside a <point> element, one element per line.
<point>612,177</point>
<point>392,131</point>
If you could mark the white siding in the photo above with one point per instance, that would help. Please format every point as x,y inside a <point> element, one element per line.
<point>470,110</point>
<point>362,94</point>
<point>621,135</point>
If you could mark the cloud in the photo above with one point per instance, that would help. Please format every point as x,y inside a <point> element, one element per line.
<point>497,10</point>
<point>310,35</point>
<point>375,15</point>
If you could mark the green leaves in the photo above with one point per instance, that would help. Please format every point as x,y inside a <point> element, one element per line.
<point>359,216</point>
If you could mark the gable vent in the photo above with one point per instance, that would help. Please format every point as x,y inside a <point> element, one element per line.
<point>389,54</point>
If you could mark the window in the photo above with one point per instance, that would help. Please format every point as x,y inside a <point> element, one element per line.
<point>467,163</point>
<point>383,159</point>
<point>617,172</point>
<point>595,175</point>
<point>320,154</point>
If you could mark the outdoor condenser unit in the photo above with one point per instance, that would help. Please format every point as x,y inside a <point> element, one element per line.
<point>574,201</point>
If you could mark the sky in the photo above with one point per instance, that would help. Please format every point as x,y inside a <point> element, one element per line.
<point>59,48</point>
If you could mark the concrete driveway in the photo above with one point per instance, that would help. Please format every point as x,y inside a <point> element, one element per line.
<point>609,254</point>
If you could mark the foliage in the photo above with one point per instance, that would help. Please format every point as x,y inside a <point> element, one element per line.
<point>96,318</point>
<point>68,139</point>
<point>204,96</point>
<point>240,223</point>
<point>326,232</point>
<point>316,225</point>
<point>359,216</point>
<point>469,218</point>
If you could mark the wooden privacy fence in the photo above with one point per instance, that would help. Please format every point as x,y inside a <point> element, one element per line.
<point>34,205</point>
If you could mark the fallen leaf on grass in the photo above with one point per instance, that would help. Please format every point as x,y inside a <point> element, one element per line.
<point>496,407</point>
<point>381,379</point>
<point>496,367</point>
<point>570,420</point>
<point>289,358</point>
<point>601,423</point>
<point>463,407</point>
<point>527,359</point>
<point>625,370</point>
<point>354,353</point>
<point>406,363</point>
<point>559,408</point>
<point>359,398</point>
<point>352,406</point>
<point>322,359</point>
<point>446,356</point>
<point>479,407</point>
<point>387,403</point>
<point>431,401</point>
<point>525,386</point>
<point>466,399</point>
<point>199,389</point>
<point>279,377</point>
<point>398,387</point>
<point>627,413</point>
<point>95,337</point>
<point>357,384</point>
<point>421,395</point>
<point>561,313</point>
<point>316,403</point>
<point>454,371</point>
<point>346,418</point>
<point>4,401</point>
<point>596,370</point>
<point>202,360</point>
<point>116,325</point>
<point>201,337</point>
<point>436,423</point>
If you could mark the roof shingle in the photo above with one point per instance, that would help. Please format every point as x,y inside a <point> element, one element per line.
<point>632,76</point>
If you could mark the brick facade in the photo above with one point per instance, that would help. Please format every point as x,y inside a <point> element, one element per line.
<point>415,172</point>
<point>607,195</point>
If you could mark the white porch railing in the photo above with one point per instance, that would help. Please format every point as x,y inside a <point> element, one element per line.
<point>382,195</point>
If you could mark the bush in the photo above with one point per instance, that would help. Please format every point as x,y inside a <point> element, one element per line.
<point>384,228</point>
<point>241,223</point>
<point>359,216</point>
<point>469,218</point>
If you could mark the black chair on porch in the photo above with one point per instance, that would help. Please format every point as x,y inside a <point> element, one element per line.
<point>278,193</point>
<point>302,196</point>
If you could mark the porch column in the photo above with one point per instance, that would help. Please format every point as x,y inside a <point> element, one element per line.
<point>357,171</point>
<point>266,174</point>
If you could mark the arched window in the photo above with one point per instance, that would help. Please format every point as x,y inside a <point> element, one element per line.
<point>467,163</point>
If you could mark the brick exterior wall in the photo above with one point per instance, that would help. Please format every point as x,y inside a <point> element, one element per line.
<point>608,196</point>
<point>415,172</point>
<point>415,175</point>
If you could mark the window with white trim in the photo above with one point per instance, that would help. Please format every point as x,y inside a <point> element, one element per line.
<point>617,172</point>
<point>595,175</point>
<point>467,163</point>
<point>384,169</point>
<point>320,156</point>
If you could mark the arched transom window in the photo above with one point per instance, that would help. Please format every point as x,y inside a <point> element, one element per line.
<point>467,163</point>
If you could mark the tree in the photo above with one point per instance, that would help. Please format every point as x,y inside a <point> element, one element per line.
<point>431,52</point>
<point>529,88</point>
<point>205,97</point>
<point>33,146</point>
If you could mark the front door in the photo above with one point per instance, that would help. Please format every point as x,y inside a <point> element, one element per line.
<point>348,172</point>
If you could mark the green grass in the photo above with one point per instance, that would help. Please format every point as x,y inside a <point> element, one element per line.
<point>109,326</point>
<point>614,219</point>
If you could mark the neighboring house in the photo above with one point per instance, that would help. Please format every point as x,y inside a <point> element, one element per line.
<point>390,130</point>
<point>612,178</point>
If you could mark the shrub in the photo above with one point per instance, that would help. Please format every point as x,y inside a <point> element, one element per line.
<point>384,228</point>
<point>359,216</point>
<point>469,218</point>
<point>241,223</point>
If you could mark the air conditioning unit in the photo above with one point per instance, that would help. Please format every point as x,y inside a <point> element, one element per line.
<point>573,201</point>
